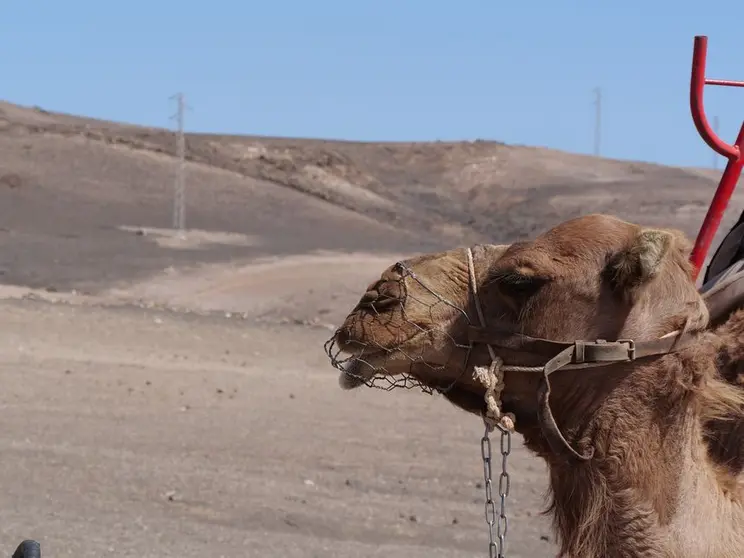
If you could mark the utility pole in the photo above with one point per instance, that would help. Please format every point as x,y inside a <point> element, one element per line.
<point>179,195</point>
<point>597,120</point>
<point>715,130</point>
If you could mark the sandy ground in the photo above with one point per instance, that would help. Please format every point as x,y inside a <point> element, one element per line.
<point>143,432</point>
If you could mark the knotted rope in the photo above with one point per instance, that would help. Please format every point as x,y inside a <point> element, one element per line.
<point>492,376</point>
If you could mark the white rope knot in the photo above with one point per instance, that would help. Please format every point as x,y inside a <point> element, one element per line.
<point>492,378</point>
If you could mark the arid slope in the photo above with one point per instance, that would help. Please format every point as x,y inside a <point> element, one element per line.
<point>68,185</point>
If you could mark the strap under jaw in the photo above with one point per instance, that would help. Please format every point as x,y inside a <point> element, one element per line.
<point>571,356</point>
<point>549,427</point>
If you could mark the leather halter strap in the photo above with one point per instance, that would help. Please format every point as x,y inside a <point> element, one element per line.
<point>568,356</point>
<point>599,352</point>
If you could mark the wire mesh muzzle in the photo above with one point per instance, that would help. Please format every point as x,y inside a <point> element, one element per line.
<point>392,348</point>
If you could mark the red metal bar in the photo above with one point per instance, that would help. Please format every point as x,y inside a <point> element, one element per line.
<point>724,82</point>
<point>733,153</point>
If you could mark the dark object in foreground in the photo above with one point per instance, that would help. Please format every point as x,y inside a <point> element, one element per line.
<point>28,549</point>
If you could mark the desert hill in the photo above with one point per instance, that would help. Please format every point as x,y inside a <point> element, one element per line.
<point>76,194</point>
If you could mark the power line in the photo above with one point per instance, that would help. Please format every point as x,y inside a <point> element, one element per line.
<point>179,194</point>
<point>597,120</point>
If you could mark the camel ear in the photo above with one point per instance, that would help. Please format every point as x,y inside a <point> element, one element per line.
<point>639,263</point>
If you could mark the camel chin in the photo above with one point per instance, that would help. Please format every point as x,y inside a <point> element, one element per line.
<point>351,377</point>
<point>358,372</point>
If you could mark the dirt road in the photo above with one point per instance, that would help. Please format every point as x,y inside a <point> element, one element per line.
<point>130,432</point>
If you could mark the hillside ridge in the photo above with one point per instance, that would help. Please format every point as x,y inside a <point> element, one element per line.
<point>72,190</point>
<point>359,176</point>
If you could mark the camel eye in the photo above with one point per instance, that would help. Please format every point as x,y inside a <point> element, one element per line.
<point>514,283</point>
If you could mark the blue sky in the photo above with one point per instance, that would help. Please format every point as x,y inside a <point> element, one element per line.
<point>519,72</point>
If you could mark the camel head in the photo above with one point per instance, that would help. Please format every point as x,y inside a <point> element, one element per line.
<point>411,323</point>
<point>593,277</point>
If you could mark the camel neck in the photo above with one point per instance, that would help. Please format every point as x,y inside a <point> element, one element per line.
<point>650,464</point>
<point>602,506</point>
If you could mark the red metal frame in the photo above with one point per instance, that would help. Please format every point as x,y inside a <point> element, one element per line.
<point>734,153</point>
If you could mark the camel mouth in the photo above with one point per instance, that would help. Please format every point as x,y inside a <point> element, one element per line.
<point>366,364</point>
<point>362,367</point>
<point>356,372</point>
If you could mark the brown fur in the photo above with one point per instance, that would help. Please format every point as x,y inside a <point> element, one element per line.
<point>668,432</point>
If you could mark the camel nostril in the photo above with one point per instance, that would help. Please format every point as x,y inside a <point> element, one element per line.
<point>390,290</point>
<point>379,300</point>
<point>382,294</point>
<point>384,301</point>
<point>368,299</point>
<point>343,336</point>
<point>370,296</point>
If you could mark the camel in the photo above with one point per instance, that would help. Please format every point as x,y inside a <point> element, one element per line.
<point>644,441</point>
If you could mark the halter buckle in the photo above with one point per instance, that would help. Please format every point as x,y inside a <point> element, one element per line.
<point>631,347</point>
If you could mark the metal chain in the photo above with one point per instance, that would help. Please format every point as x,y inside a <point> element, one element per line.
<point>494,550</point>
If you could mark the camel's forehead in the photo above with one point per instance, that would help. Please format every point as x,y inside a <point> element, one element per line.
<point>602,228</point>
<point>590,230</point>
<point>584,239</point>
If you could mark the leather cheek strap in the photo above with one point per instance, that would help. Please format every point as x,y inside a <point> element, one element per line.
<point>577,355</point>
<point>557,442</point>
